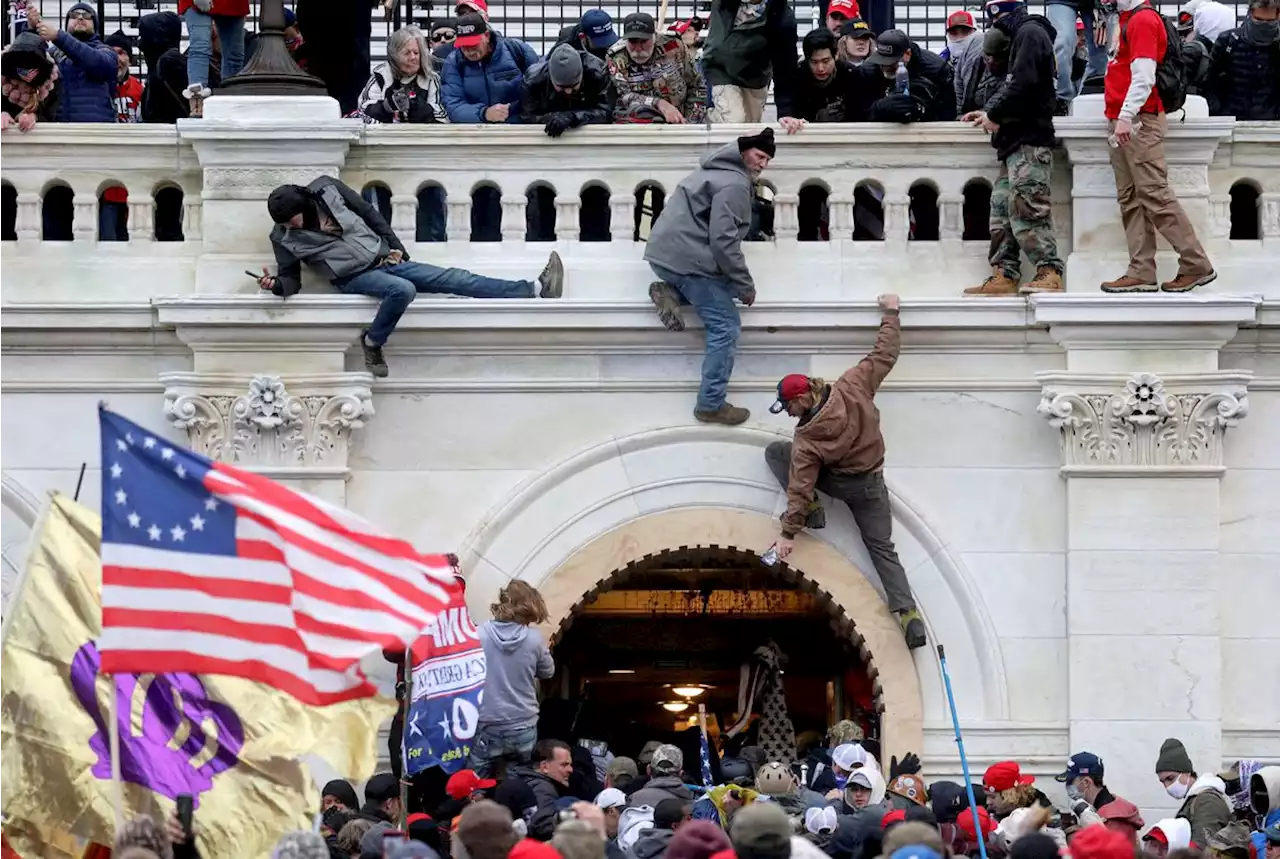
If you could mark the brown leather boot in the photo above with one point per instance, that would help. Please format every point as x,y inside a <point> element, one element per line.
<point>997,284</point>
<point>1046,280</point>
<point>726,414</point>
<point>1128,283</point>
<point>1188,282</point>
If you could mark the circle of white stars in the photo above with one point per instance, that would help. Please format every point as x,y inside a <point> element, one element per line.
<point>154,532</point>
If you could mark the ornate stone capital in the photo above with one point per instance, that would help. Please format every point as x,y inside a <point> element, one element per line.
<point>1143,424</point>
<point>298,429</point>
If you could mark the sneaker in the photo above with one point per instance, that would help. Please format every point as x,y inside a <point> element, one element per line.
<point>912,628</point>
<point>552,278</point>
<point>816,519</point>
<point>1188,282</point>
<point>373,360</point>
<point>667,300</point>
<point>1046,280</point>
<point>1128,283</point>
<point>726,414</point>
<point>998,284</point>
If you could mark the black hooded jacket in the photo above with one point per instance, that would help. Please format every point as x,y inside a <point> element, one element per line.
<point>591,104</point>
<point>932,90</point>
<point>1023,106</point>
<point>159,37</point>
<point>845,98</point>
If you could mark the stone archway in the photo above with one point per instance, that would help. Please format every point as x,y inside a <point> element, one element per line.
<point>835,580</point>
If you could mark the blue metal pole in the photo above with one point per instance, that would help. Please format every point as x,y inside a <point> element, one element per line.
<point>964,761</point>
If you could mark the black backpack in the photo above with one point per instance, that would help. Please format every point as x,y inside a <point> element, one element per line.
<point>1171,72</point>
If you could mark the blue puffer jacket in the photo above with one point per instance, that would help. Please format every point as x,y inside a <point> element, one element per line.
<point>468,88</point>
<point>87,90</point>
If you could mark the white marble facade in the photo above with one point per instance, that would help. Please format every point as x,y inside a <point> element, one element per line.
<point>1085,485</point>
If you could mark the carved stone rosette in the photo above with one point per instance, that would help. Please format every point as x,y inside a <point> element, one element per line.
<point>1144,422</point>
<point>269,425</point>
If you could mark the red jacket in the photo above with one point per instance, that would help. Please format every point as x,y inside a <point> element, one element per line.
<point>231,8</point>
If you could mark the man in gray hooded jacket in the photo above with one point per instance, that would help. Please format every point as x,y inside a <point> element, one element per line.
<point>695,249</point>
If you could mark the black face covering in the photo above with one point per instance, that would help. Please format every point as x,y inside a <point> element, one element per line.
<point>1261,32</point>
<point>289,200</point>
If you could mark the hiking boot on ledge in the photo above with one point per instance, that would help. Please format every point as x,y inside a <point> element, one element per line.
<point>816,518</point>
<point>1188,282</point>
<point>1046,280</point>
<point>726,414</point>
<point>1128,283</point>
<point>997,284</point>
<point>912,628</point>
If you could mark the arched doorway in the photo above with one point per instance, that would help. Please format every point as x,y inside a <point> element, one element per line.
<point>669,631</point>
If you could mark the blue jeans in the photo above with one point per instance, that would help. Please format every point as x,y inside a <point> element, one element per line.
<point>713,299</point>
<point>113,222</point>
<point>200,44</point>
<point>399,284</point>
<point>492,744</point>
<point>1063,19</point>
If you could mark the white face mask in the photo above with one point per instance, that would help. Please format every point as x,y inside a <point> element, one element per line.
<point>1178,789</point>
<point>1073,792</point>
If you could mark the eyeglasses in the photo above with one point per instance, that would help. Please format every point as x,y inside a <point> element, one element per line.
<point>81,15</point>
<point>443,36</point>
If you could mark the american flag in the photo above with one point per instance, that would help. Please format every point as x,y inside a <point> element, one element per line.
<point>704,748</point>
<point>208,569</point>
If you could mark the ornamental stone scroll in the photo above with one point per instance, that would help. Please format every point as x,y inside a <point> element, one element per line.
<point>1145,423</point>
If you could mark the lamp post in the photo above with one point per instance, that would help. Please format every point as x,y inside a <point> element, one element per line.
<point>271,71</point>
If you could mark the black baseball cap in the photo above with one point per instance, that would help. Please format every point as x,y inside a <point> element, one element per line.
<point>381,787</point>
<point>891,45</point>
<point>638,25</point>
<point>470,30</point>
<point>857,28</point>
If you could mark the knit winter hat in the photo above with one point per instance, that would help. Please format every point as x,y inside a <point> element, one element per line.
<point>995,43</point>
<point>762,141</point>
<point>83,7</point>
<point>697,839</point>
<point>761,831</point>
<point>143,832</point>
<point>300,845</point>
<point>340,789</point>
<point>120,39</point>
<point>565,66</point>
<point>1173,757</point>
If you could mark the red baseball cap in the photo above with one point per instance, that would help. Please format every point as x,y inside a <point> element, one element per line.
<point>961,18</point>
<point>480,7</point>
<point>898,815</point>
<point>792,386</point>
<point>1005,775</point>
<point>847,8</point>
<point>470,30</point>
<point>965,823</point>
<point>463,783</point>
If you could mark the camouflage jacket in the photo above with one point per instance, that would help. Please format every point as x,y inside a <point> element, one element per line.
<point>670,74</point>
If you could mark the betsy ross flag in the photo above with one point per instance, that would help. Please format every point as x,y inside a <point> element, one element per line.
<point>208,569</point>
<point>704,748</point>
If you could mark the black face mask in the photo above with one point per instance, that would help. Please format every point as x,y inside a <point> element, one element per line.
<point>1261,32</point>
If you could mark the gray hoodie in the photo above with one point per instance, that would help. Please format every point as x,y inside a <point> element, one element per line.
<point>702,225</point>
<point>652,844</point>
<point>515,658</point>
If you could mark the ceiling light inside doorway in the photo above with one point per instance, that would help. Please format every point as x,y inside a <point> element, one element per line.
<point>675,706</point>
<point>622,671</point>
<point>689,691</point>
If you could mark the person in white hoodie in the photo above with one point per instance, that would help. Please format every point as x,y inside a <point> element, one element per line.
<point>516,658</point>
<point>1170,834</point>
<point>1204,798</point>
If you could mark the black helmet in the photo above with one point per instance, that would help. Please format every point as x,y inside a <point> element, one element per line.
<point>736,771</point>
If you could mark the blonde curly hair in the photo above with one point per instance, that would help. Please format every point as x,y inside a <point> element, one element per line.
<point>519,602</point>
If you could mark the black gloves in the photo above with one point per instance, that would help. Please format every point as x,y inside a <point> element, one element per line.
<point>909,765</point>
<point>559,124</point>
<point>898,107</point>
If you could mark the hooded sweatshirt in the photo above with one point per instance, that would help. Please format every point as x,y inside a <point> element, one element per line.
<point>1177,832</point>
<point>516,657</point>
<point>705,220</point>
<point>88,71</point>
<point>1206,808</point>
<point>652,844</point>
<point>963,52</point>
<point>159,39</point>
<point>1264,790</point>
<point>1210,18</point>
<point>633,821</point>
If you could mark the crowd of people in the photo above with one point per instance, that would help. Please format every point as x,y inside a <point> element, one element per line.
<point>522,796</point>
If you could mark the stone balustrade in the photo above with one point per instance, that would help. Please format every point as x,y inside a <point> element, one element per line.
<point>857,209</point>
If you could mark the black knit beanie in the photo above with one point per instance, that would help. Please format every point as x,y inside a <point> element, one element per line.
<point>762,141</point>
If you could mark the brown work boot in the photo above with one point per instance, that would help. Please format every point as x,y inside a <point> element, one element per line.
<point>1046,280</point>
<point>1188,282</point>
<point>726,414</point>
<point>667,300</point>
<point>1128,283</point>
<point>998,284</point>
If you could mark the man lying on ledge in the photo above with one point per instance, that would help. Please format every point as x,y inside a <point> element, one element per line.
<point>329,227</point>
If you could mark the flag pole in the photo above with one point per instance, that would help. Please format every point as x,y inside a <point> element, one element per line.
<point>113,733</point>
<point>404,739</point>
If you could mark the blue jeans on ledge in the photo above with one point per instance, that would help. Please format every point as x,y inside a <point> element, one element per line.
<point>713,299</point>
<point>397,285</point>
<point>492,744</point>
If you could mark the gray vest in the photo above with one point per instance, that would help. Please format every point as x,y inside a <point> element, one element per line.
<point>345,254</point>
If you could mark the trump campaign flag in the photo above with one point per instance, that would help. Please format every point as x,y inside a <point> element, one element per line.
<point>448,682</point>
<point>210,569</point>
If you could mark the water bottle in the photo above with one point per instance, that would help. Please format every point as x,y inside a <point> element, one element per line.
<point>770,557</point>
<point>901,80</point>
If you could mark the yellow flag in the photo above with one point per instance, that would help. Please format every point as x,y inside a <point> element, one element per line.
<point>233,745</point>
